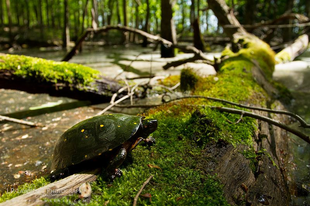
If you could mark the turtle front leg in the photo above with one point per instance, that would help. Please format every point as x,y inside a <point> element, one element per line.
<point>112,168</point>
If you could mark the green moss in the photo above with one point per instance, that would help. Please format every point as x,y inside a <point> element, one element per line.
<point>188,79</point>
<point>283,57</point>
<point>42,70</point>
<point>253,49</point>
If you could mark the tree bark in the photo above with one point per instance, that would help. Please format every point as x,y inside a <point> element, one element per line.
<point>241,184</point>
<point>146,25</point>
<point>84,15</point>
<point>167,28</point>
<point>67,186</point>
<point>198,38</point>
<point>225,17</point>
<point>66,31</point>
<point>8,9</point>
<point>1,14</point>
<point>125,12</point>
<point>293,50</point>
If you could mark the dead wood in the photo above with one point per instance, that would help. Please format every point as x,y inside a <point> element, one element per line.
<point>293,50</point>
<point>138,194</point>
<point>10,119</point>
<point>198,54</point>
<point>66,186</point>
<point>99,91</point>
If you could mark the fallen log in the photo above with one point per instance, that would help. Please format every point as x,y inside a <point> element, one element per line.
<point>66,186</point>
<point>35,75</point>
<point>293,50</point>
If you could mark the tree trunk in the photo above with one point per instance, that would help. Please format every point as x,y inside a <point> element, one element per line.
<point>66,31</point>
<point>250,12</point>
<point>83,17</point>
<point>267,180</point>
<point>225,17</point>
<point>287,32</point>
<point>110,14</point>
<point>125,12</point>
<point>198,38</point>
<point>146,25</point>
<point>1,15</point>
<point>27,14</point>
<point>167,29</point>
<point>95,7</point>
<point>41,20</point>
<point>8,8</point>
<point>52,14</point>
<point>47,6</point>
<point>118,13</point>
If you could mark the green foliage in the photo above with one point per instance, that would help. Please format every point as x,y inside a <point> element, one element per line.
<point>42,70</point>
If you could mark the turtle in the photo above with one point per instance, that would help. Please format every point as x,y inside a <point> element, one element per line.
<point>103,139</point>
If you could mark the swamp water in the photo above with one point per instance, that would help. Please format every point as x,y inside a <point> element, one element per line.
<point>25,152</point>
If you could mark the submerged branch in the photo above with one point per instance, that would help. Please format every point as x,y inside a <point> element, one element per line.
<point>19,121</point>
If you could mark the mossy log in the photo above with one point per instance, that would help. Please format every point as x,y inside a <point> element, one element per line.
<point>293,50</point>
<point>35,75</point>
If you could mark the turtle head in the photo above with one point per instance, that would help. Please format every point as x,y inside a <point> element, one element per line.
<point>149,126</point>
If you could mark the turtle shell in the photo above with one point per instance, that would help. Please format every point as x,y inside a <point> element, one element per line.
<point>92,137</point>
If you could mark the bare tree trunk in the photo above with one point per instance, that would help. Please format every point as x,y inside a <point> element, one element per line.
<point>83,18</point>
<point>1,14</point>
<point>118,13</point>
<point>52,15</point>
<point>146,25</point>
<point>66,32</point>
<point>27,14</point>
<point>125,12</point>
<point>47,6</point>
<point>41,20</point>
<point>307,9</point>
<point>287,32</point>
<point>8,8</point>
<point>250,12</point>
<point>198,38</point>
<point>192,13</point>
<point>225,17</point>
<point>17,13</point>
<point>110,14</point>
<point>167,28</point>
<point>95,7</point>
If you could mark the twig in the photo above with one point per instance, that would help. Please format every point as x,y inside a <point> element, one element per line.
<point>116,102</point>
<point>266,119</point>
<point>302,122</point>
<point>138,194</point>
<point>20,121</point>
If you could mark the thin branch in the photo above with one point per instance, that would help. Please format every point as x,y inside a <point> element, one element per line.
<point>138,194</point>
<point>266,119</point>
<point>302,122</point>
<point>113,104</point>
<point>20,121</point>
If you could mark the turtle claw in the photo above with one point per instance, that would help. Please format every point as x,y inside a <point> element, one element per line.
<point>116,173</point>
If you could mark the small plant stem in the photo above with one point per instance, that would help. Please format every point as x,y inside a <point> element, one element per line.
<point>138,194</point>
